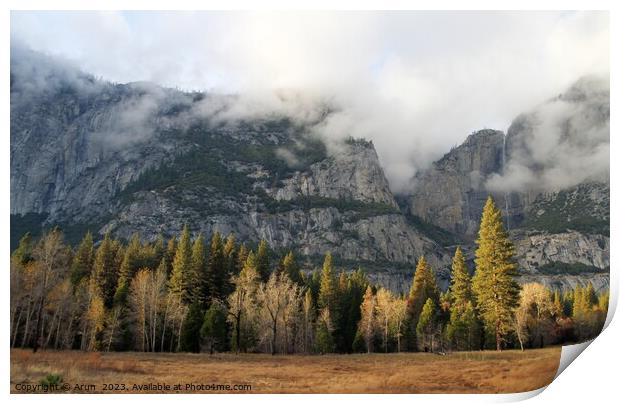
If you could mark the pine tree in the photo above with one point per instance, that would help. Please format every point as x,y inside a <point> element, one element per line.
<point>230,264</point>
<point>170,253</point>
<point>83,260</point>
<point>497,293</point>
<point>425,328</point>
<point>460,287</point>
<point>472,327</point>
<point>214,329</point>
<point>288,265</point>
<point>582,311</point>
<point>23,253</point>
<point>190,332</point>
<point>105,275</point>
<point>262,260</point>
<point>589,296</point>
<point>158,252</point>
<point>423,287</point>
<point>242,256</point>
<point>198,279</point>
<point>324,338</point>
<point>216,271</point>
<point>132,261</point>
<point>350,303</point>
<point>326,290</point>
<point>462,329</point>
<point>558,307</point>
<point>182,267</point>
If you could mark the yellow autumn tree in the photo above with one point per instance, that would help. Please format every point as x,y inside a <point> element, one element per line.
<point>497,292</point>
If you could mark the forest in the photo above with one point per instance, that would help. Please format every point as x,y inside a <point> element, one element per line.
<point>186,294</point>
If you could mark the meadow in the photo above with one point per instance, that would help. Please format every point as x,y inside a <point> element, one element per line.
<point>129,372</point>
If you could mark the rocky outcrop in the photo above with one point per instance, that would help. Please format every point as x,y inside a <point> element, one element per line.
<point>535,250</point>
<point>352,172</point>
<point>452,192</point>
<point>386,240</point>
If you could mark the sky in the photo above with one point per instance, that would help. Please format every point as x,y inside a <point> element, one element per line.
<point>416,83</point>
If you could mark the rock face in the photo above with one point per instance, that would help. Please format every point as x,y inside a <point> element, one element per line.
<point>535,250</point>
<point>75,140</point>
<point>452,192</point>
<point>352,173</point>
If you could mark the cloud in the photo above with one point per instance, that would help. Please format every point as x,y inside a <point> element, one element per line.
<point>560,143</point>
<point>416,83</point>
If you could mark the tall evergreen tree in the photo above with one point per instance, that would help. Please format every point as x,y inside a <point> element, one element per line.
<point>423,287</point>
<point>324,333</point>
<point>105,274</point>
<point>288,265</point>
<point>262,260</point>
<point>462,329</point>
<point>216,271</point>
<point>132,260</point>
<point>230,263</point>
<point>190,332</point>
<point>242,256</point>
<point>170,253</point>
<point>158,252</point>
<point>198,279</point>
<point>83,259</point>
<point>497,293</point>
<point>182,267</point>
<point>460,287</point>
<point>327,290</point>
<point>425,329</point>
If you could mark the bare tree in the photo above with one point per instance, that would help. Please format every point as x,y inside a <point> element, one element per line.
<point>367,324</point>
<point>273,298</point>
<point>308,321</point>
<point>384,314</point>
<point>52,262</point>
<point>399,314</point>
<point>138,294</point>
<point>242,302</point>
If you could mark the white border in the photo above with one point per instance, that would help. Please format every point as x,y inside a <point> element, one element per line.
<point>590,378</point>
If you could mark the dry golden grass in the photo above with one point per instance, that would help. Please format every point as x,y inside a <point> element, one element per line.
<point>463,372</point>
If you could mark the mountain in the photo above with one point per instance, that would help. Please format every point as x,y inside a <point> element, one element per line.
<point>122,158</point>
<point>135,157</point>
<point>555,204</point>
<point>452,192</point>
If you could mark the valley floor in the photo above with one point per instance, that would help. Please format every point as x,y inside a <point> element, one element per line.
<point>460,372</point>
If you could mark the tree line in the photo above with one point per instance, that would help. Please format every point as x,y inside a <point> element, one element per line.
<point>191,295</point>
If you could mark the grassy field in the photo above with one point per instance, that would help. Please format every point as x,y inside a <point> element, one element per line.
<point>462,372</point>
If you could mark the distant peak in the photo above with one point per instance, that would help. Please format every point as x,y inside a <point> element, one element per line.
<point>483,134</point>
